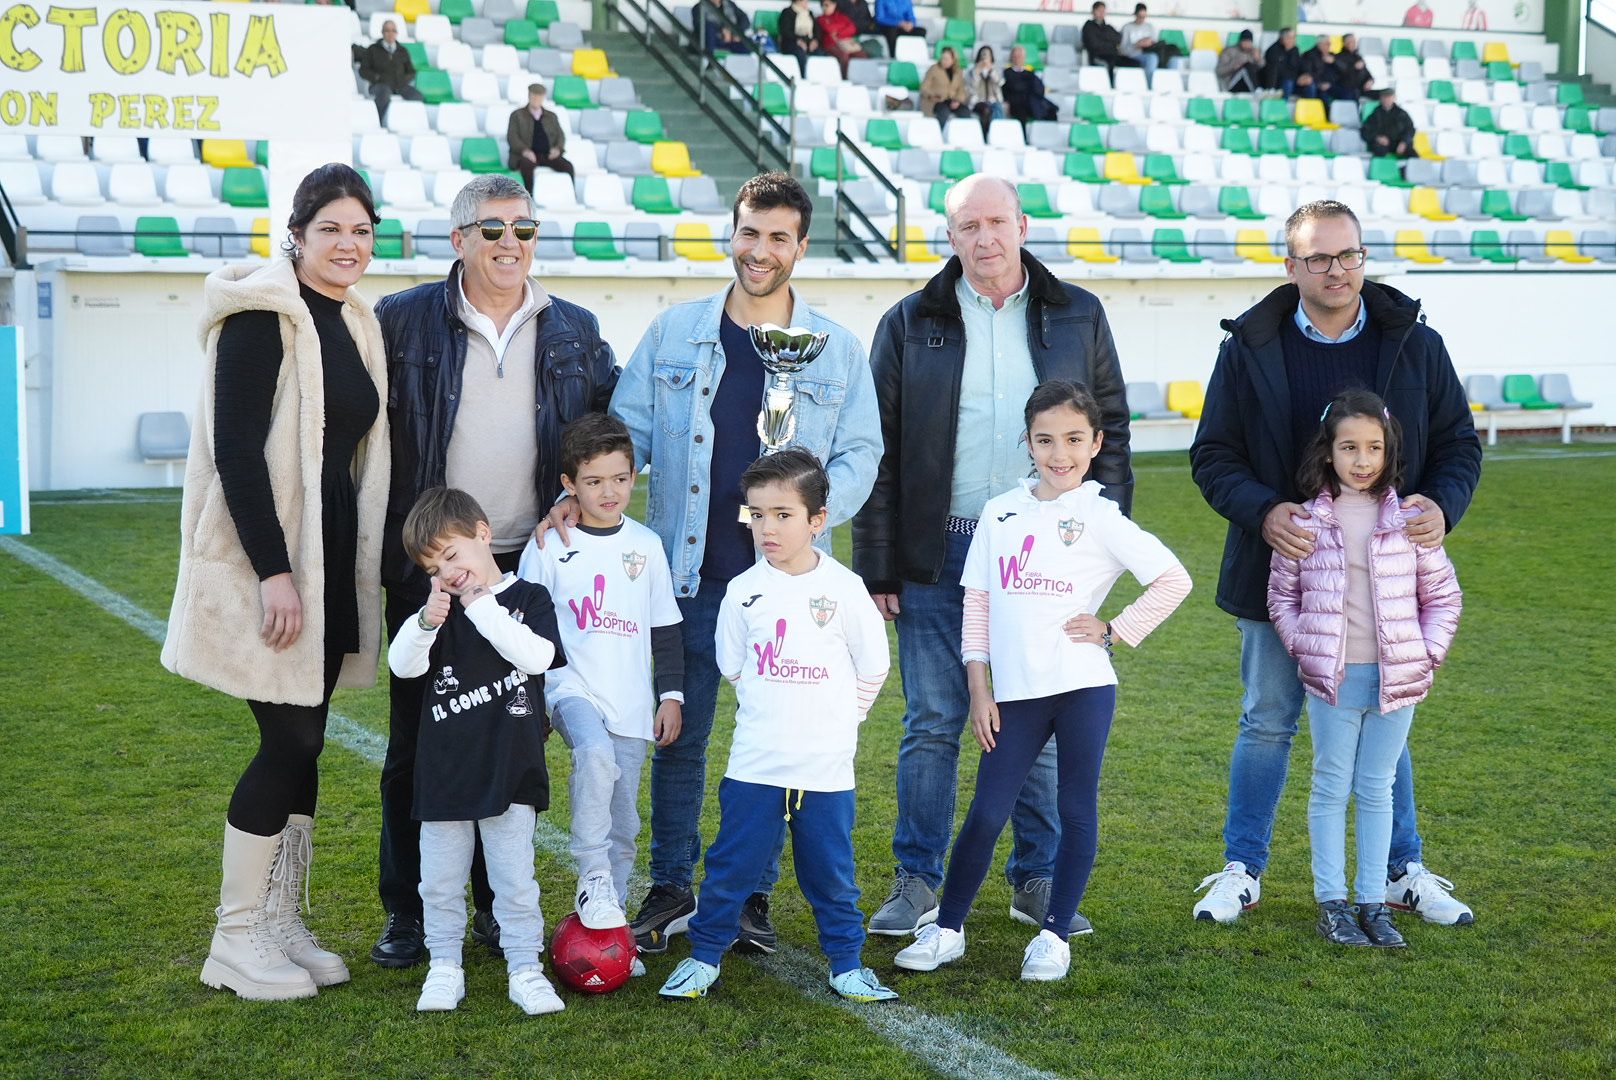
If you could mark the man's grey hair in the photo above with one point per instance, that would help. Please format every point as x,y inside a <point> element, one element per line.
<point>483,189</point>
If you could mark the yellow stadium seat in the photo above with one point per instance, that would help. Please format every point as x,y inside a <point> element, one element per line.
<point>1495,50</point>
<point>1476,406</point>
<point>1427,203</point>
<point>1253,246</point>
<point>411,8</point>
<point>1086,244</point>
<point>1186,396</point>
<point>1335,43</point>
<point>694,240</point>
<point>226,153</point>
<point>1310,114</point>
<point>260,236</point>
<point>1410,244</point>
<point>1559,244</point>
<point>590,63</point>
<point>672,159</point>
<point>915,248</point>
<point>1424,149</point>
<point>1206,41</point>
<point>1121,167</point>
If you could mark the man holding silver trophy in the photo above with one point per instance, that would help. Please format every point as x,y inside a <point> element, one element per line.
<point>714,383</point>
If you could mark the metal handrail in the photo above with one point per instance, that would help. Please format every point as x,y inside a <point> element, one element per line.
<point>897,247</point>
<point>13,237</point>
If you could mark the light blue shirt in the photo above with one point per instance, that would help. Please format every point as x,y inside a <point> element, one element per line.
<point>1311,332</point>
<point>997,379</point>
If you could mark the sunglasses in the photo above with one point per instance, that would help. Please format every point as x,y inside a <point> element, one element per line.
<point>492,229</point>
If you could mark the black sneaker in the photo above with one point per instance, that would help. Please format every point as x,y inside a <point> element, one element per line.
<point>1375,920</point>
<point>402,944</point>
<point>1337,924</point>
<point>666,911</point>
<point>757,932</point>
<point>485,931</point>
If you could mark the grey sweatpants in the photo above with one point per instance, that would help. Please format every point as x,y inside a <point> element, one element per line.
<point>446,848</point>
<point>604,789</point>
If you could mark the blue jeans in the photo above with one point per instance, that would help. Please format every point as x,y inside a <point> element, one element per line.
<point>1271,708</point>
<point>937,704</point>
<point>1355,752</point>
<point>1150,62</point>
<point>679,770</point>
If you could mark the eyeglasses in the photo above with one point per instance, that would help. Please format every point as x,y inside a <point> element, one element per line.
<point>493,228</point>
<point>1320,264</point>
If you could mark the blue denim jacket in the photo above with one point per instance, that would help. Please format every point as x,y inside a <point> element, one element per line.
<point>664,396</point>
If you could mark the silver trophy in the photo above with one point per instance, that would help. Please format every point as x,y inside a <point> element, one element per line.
<point>785,351</point>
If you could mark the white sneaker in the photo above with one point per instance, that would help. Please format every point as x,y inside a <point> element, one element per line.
<point>598,908</point>
<point>934,946</point>
<point>1421,891</point>
<point>444,988</point>
<point>1232,891</point>
<point>1046,959</point>
<point>533,992</point>
<point>636,969</point>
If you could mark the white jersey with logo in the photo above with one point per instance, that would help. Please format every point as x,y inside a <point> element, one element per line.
<point>609,592</point>
<point>799,644</point>
<point>1042,562</point>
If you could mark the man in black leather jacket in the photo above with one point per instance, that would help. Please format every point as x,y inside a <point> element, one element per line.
<point>948,449</point>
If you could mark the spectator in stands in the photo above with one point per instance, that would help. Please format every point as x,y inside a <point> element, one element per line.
<point>942,91</point>
<point>895,19</point>
<point>1141,43</point>
<point>387,67</point>
<point>859,11</point>
<point>1418,14</point>
<point>703,439</point>
<point>1282,63</point>
<point>716,34</point>
<point>1240,66</point>
<point>1325,331</point>
<point>1388,131</point>
<point>475,361</point>
<point>535,138</point>
<point>985,84</point>
<point>950,363</point>
<point>796,35</point>
<point>838,36</point>
<point>275,604</point>
<point>1024,91</point>
<point>1351,70</point>
<point>1103,42</point>
<point>1320,78</point>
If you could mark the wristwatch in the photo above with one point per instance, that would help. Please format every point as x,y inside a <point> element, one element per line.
<point>1105,639</point>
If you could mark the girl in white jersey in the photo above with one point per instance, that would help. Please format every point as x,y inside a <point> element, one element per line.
<point>1042,560</point>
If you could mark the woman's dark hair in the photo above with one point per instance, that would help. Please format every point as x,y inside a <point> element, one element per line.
<point>1057,392</point>
<point>1317,472</point>
<point>319,189</point>
<point>947,50</point>
<point>986,49</point>
<point>591,436</point>
<point>795,467</point>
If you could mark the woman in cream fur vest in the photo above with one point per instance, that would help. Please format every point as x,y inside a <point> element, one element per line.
<point>285,490</point>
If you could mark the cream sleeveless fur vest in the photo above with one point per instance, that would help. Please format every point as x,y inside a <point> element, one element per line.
<point>213,625</point>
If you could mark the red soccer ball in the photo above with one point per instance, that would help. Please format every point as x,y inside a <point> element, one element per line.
<point>591,961</point>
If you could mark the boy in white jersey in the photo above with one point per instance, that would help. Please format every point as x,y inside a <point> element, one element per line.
<point>803,643</point>
<point>614,598</point>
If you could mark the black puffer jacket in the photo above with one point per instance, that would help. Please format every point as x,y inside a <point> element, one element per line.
<point>1244,457</point>
<point>426,354</point>
<point>918,358</point>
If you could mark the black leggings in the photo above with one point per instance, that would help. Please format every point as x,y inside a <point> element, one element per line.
<point>283,778</point>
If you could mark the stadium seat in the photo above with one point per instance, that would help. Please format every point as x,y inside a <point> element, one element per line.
<point>1560,174</point>
<point>694,241</point>
<point>1274,141</point>
<point>1235,201</point>
<point>1496,204</point>
<point>259,242</point>
<point>644,126</point>
<point>1523,390</point>
<point>1123,168</point>
<point>903,73</point>
<point>1410,244</point>
<point>225,153</point>
<point>1276,112</point>
<point>21,183</point>
<point>97,234</point>
<point>956,164</point>
<point>411,9</point>
<point>542,13</point>
<point>244,187</point>
<point>1081,167</point>
<point>481,155</point>
<point>1204,41</point>
<point>1157,202</point>
<point>1237,140</point>
<point>915,248</point>
<point>1310,114</point>
<point>565,35</point>
<point>1200,110</point>
<point>883,132</point>
<point>159,237</point>
<point>1556,387</point>
<point>131,183</point>
<point>1035,201</point>
<point>1086,138</point>
<point>1427,203</point>
<point>1238,112</point>
<point>572,92</point>
<point>1169,244</point>
<point>1560,244</point>
<point>593,240</point>
<point>1160,169</point>
<point>603,191</point>
<point>1486,245</point>
<point>1215,245</point>
<point>1484,391</point>
<point>1145,402</point>
<point>590,63</point>
<point>1091,109</point>
<point>1084,243</point>
<point>1186,396</point>
<point>652,195</point>
<point>1385,170</point>
<point>1253,245</point>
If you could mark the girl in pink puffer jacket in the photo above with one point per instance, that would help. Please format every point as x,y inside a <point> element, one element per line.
<point>1369,617</point>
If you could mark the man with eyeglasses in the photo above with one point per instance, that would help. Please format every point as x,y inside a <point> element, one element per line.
<point>484,370</point>
<point>1283,360</point>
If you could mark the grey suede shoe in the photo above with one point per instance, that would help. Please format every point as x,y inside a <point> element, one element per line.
<point>1030,905</point>
<point>910,905</point>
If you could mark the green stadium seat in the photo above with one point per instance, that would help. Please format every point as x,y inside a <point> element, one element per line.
<point>1235,202</point>
<point>882,132</point>
<point>1367,107</point>
<point>1086,138</point>
<point>1579,119</point>
<point>456,10</point>
<point>261,153</point>
<point>1441,90</point>
<point>902,73</point>
<point>937,197</point>
<point>1176,37</point>
<point>652,195</point>
<point>768,21</point>
<point>1160,168</point>
<point>1464,49</point>
<point>159,237</point>
<point>480,154</point>
<point>1570,93</point>
<point>1304,42</point>
<point>1202,110</point>
<point>644,126</point>
<point>774,99</point>
<point>1035,201</point>
<point>1401,46</point>
<point>1522,390</point>
<point>1091,109</point>
<point>572,92</point>
<point>1274,141</point>
<point>1312,143</point>
<point>1035,57</point>
<point>1275,112</point>
<point>1170,244</point>
<point>1560,174</point>
<point>542,13</point>
<point>1480,117</point>
<point>1081,167</point>
<point>1237,140</point>
<point>822,165</point>
<point>1237,111</point>
<point>1496,204</point>
<point>593,240</point>
<point>1520,147</point>
<point>956,164</point>
<point>1501,71</point>
<point>434,86</point>
<point>389,239</point>
<point>417,54</point>
<point>959,32</point>
<point>244,187</point>
<point>1157,202</point>
<point>522,34</point>
<point>1485,244</point>
<point>1385,170</point>
<point>1032,34</point>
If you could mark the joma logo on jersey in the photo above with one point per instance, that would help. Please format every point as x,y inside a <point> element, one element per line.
<point>1070,530</point>
<point>633,564</point>
<point>823,610</point>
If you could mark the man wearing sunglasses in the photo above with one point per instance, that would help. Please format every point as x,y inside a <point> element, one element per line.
<point>484,370</point>
<point>1327,330</point>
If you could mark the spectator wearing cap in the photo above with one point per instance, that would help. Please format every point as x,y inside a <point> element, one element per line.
<point>535,138</point>
<point>1389,130</point>
<point>1240,66</point>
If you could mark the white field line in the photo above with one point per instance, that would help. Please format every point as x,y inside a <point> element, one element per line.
<point>936,1042</point>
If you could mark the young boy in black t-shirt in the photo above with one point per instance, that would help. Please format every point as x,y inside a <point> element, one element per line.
<point>479,763</point>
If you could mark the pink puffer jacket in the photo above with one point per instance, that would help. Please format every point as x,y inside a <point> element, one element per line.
<point>1416,597</point>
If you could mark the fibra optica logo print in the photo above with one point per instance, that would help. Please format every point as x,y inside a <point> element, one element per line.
<point>1018,578</point>
<point>774,665</point>
<point>592,615</point>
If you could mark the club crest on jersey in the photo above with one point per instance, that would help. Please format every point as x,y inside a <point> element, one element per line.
<point>633,564</point>
<point>823,609</point>
<point>1070,530</point>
